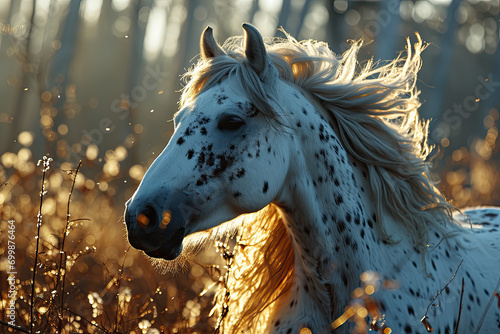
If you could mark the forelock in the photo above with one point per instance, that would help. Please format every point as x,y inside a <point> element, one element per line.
<point>207,73</point>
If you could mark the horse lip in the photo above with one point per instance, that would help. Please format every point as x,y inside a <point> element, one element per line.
<point>137,243</point>
<point>171,248</point>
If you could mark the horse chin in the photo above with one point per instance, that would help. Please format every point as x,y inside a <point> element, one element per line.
<point>171,249</point>
<point>166,253</point>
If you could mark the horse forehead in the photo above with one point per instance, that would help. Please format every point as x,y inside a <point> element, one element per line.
<point>222,94</point>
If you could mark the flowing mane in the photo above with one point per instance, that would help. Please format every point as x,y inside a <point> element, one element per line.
<point>374,112</point>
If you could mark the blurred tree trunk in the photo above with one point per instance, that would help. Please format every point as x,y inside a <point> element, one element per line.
<point>389,21</point>
<point>58,79</point>
<point>138,32</point>
<point>5,19</point>
<point>7,141</point>
<point>303,13</point>
<point>493,100</point>
<point>26,62</point>
<point>335,30</point>
<point>185,49</point>
<point>284,14</point>
<point>435,105</point>
<point>192,31</point>
<point>62,59</point>
<point>46,51</point>
<point>253,10</point>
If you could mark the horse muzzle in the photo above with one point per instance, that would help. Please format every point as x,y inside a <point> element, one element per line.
<point>157,232</point>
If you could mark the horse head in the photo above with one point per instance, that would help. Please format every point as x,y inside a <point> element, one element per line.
<point>227,156</point>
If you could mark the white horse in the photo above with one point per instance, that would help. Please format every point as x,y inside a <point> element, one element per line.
<point>325,162</point>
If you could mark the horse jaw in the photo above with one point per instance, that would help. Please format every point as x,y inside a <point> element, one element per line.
<point>195,242</point>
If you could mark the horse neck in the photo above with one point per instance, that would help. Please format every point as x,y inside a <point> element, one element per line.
<point>329,215</point>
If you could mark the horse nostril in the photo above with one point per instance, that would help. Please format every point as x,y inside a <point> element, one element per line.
<point>142,220</point>
<point>147,219</point>
<point>167,217</point>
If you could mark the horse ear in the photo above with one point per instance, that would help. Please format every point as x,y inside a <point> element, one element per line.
<point>255,50</point>
<point>208,46</point>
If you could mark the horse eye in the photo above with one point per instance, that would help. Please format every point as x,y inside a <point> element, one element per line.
<point>230,123</point>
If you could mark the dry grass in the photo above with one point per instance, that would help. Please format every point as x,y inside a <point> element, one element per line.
<point>88,279</point>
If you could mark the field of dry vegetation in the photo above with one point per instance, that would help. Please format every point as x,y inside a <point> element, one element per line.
<point>89,280</point>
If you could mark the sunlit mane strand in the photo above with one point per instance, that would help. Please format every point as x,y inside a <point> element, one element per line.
<point>375,110</point>
<point>262,273</point>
